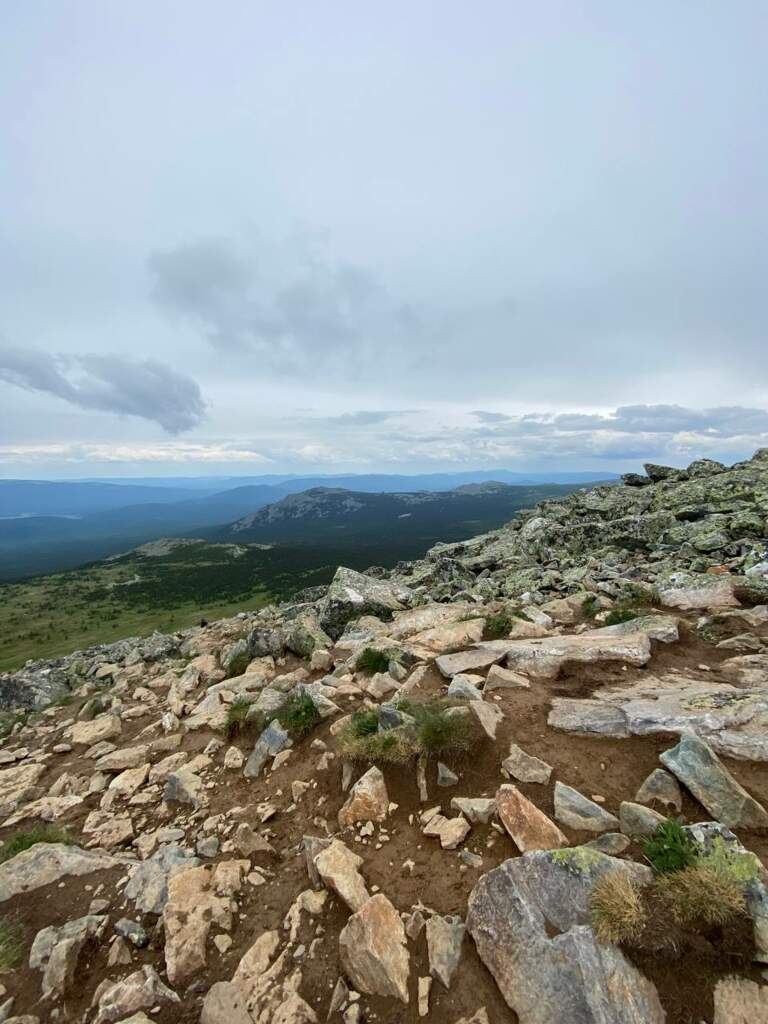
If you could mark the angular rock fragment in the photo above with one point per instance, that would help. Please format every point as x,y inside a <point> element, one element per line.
<point>529,827</point>
<point>373,950</point>
<point>576,811</point>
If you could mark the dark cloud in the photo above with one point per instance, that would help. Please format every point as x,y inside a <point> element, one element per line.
<point>143,388</point>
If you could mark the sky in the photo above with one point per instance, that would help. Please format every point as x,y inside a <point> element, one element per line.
<point>267,237</point>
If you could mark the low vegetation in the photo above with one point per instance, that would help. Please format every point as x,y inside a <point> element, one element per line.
<point>670,848</point>
<point>298,715</point>
<point>498,626</point>
<point>10,944</point>
<point>617,908</point>
<point>697,897</point>
<point>371,661</point>
<point>622,612</point>
<point>238,722</point>
<point>428,729</point>
<point>25,840</point>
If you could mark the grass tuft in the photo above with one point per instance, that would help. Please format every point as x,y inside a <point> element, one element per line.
<point>10,944</point>
<point>439,732</point>
<point>371,661</point>
<point>394,746</point>
<point>237,721</point>
<point>22,841</point>
<point>669,847</point>
<point>698,897</point>
<point>617,911</point>
<point>621,612</point>
<point>498,626</point>
<point>298,714</point>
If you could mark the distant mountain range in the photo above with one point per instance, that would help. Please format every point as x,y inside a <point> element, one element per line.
<point>47,526</point>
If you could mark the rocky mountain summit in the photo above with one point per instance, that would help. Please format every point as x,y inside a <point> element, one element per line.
<point>438,792</point>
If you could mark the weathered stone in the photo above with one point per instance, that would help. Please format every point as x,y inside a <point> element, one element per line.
<point>478,810</point>
<point>505,679</point>
<point>148,884</point>
<point>338,867</point>
<point>56,951</point>
<point>480,657</point>
<point>740,1001</point>
<point>529,827</point>
<point>543,659</point>
<point>49,862</point>
<point>638,820</point>
<point>612,843</point>
<point>571,977</point>
<point>141,990</point>
<point>271,742</point>
<point>84,734</point>
<point>367,801</point>
<point>373,950</point>
<point>524,767</point>
<point>352,594</point>
<point>445,936</point>
<point>225,1004</point>
<point>461,688</point>
<point>450,831</point>
<point>18,784</point>
<point>445,777</point>
<point>108,830</point>
<point>662,788</point>
<point>576,811</point>
<point>192,908</point>
<point>662,628</point>
<point>185,787</point>
<point>450,636</point>
<point>697,766</point>
<point>488,716</point>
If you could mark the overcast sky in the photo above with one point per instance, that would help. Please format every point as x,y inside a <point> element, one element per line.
<point>245,237</point>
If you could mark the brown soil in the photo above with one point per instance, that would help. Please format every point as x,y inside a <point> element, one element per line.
<point>612,769</point>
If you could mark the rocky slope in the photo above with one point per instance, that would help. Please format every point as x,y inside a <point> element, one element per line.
<point>393,798</point>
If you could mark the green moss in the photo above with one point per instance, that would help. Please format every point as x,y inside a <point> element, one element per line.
<point>10,944</point>
<point>723,860</point>
<point>579,859</point>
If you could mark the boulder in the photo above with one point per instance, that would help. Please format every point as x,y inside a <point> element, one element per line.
<point>352,594</point>
<point>638,820</point>
<point>148,882</point>
<point>272,740</point>
<point>141,990</point>
<point>18,784</point>
<point>740,1001</point>
<point>525,767</point>
<point>445,936</point>
<point>85,734</point>
<point>661,788</point>
<point>373,950</point>
<point>570,976</point>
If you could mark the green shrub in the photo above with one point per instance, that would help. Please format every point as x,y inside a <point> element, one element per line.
<point>697,897</point>
<point>669,848</point>
<point>590,605</point>
<point>618,914</point>
<point>437,732</point>
<point>24,840</point>
<point>237,720</point>
<point>364,723</point>
<point>621,613</point>
<point>10,944</point>
<point>9,719</point>
<point>298,714</point>
<point>498,626</point>
<point>371,661</point>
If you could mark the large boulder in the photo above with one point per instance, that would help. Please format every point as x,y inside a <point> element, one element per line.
<point>543,659</point>
<point>570,976</point>
<point>49,862</point>
<point>352,594</point>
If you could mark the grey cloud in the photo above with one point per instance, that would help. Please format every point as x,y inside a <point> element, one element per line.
<point>143,388</point>
<point>299,314</point>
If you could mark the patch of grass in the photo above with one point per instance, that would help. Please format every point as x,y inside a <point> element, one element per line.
<point>364,723</point>
<point>237,721</point>
<point>669,848</point>
<point>441,733</point>
<point>618,914</point>
<point>22,841</point>
<point>298,714</point>
<point>371,661</point>
<point>394,746</point>
<point>698,897</point>
<point>9,719</point>
<point>10,944</point>
<point>63,701</point>
<point>498,626</point>
<point>621,612</point>
<point>590,605</point>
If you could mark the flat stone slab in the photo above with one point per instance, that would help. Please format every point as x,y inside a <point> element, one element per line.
<point>575,810</point>
<point>49,862</point>
<point>529,827</point>
<point>732,720</point>
<point>479,657</point>
<point>543,659</point>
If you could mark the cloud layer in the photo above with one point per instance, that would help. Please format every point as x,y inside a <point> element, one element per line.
<point>142,387</point>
